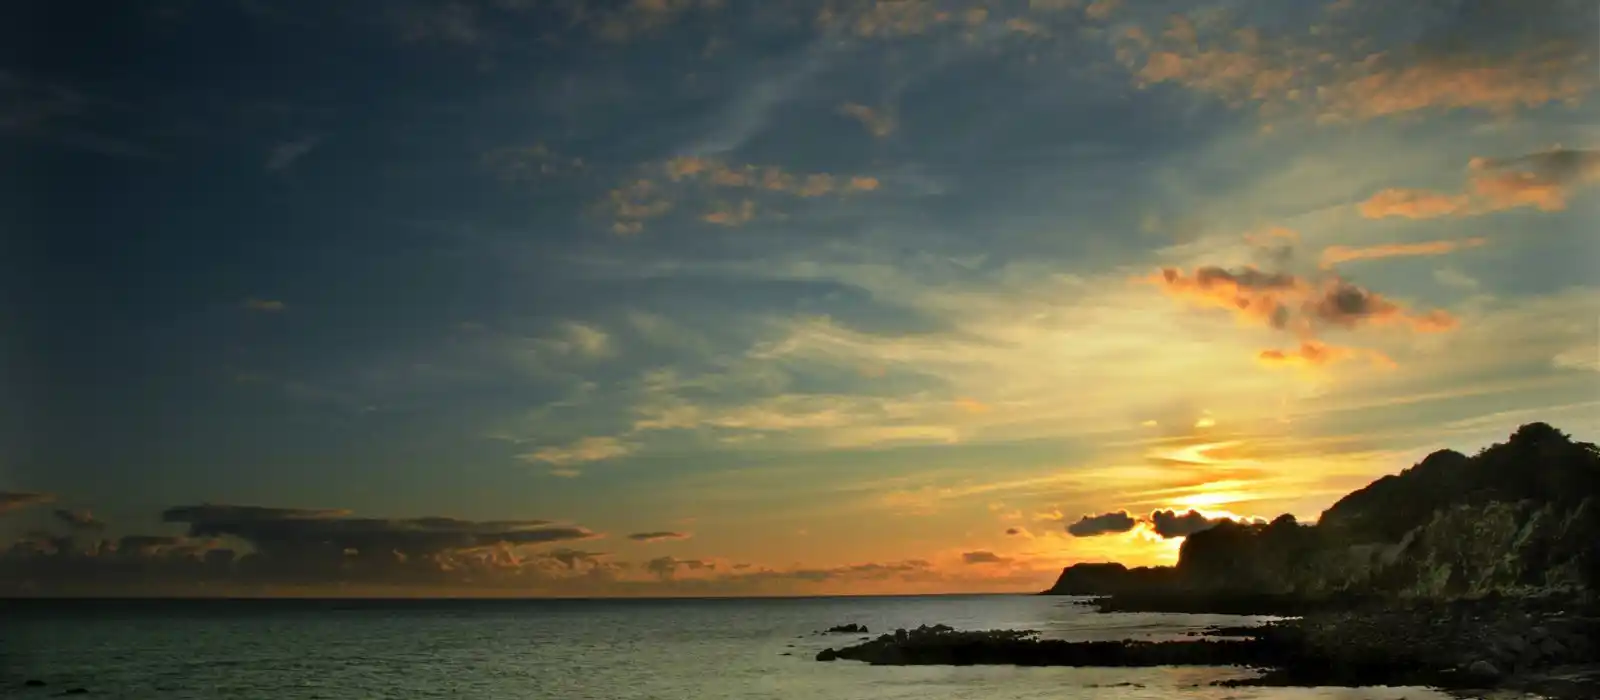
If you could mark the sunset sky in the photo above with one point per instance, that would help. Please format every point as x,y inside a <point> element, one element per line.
<point>659,297</point>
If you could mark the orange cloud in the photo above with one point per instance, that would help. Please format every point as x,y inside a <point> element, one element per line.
<point>1251,293</point>
<point>1288,302</point>
<point>634,203</point>
<point>877,124</point>
<point>771,178</point>
<point>1334,255</point>
<point>732,215</point>
<point>1101,9</point>
<point>1025,26</point>
<point>883,18</point>
<point>1319,76</point>
<point>1542,181</point>
<point>1413,204</point>
<point>1347,305</point>
<point>1312,353</point>
<point>1502,84</point>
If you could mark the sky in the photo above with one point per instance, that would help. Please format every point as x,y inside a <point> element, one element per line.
<point>716,297</point>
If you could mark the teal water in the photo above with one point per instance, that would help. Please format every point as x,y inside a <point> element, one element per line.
<point>572,650</point>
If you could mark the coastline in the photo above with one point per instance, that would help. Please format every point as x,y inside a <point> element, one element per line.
<point>1538,645</point>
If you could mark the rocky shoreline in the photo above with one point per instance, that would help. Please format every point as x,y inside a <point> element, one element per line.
<point>1546,646</point>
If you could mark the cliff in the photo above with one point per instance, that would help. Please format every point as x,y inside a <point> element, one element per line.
<point>1520,518</point>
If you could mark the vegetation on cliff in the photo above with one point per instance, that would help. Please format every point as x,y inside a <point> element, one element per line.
<point>1520,518</point>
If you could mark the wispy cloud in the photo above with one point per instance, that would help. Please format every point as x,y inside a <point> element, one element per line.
<point>15,500</point>
<point>270,306</point>
<point>583,451</point>
<point>660,187</point>
<point>661,536</point>
<point>1542,181</point>
<point>1321,74</point>
<point>285,155</point>
<point>877,123</point>
<point>1334,255</point>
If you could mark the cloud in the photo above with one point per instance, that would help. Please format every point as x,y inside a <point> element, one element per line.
<point>653,195</point>
<point>1542,181</point>
<point>531,163</point>
<point>582,451</point>
<point>1101,9</point>
<point>448,23</point>
<point>635,18</point>
<point>876,123</point>
<point>1170,524</point>
<point>883,18</point>
<point>984,558</point>
<point>1250,292</point>
<point>715,173</point>
<point>286,154</point>
<point>1303,306</point>
<point>575,558</point>
<point>319,551</point>
<point>270,306</point>
<point>1334,255</point>
<point>1504,84</point>
<point>668,567</point>
<point>725,214</point>
<point>658,536</point>
<point>1018,531</point>
<point>1312,353</point>
<point>1325,74</point>
<point>1584,358</point>
<point>1104,524</point>
<point>1344,304</point>
<point>79,519</point>
<point>634,203</point>
<point>17,500</point>
<point>296,535</point>
<point>1022,25</point>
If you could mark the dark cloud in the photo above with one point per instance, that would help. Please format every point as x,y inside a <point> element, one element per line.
<point>15,500</point>
<point>1563,166</point>
<point>984,558</point>
<point>1170,524</point>
<point>574,558</point>
<point>274,530</point>
<point>322,550</point>
<point>79,519</point>
<point>667,567</point>
<point>1013,531</point>
<point>658,536</point>
<point>1104,524</point>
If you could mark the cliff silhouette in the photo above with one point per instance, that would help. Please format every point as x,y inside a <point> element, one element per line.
<point>1520,518</point>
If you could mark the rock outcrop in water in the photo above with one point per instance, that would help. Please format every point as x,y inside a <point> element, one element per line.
<point>1520,518</point>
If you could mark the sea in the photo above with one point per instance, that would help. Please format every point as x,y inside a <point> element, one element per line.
<point>702,649</point>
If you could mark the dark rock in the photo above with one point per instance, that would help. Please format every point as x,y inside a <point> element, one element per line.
<point>1484,669</point>
<point>851,628</point>
<point>33,683</point>
<point>827,655</point>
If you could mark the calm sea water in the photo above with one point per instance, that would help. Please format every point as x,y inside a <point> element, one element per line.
<point>572,650</point>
